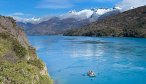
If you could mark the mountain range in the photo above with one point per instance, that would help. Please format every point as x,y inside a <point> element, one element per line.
<point>131,23</point>
<point>71,20</point>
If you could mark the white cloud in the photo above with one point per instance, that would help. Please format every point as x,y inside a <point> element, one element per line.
<point>55,4</point>
<point>17,14</point>
<point>22,17</point>
<point>25,20</point>
<point>128,4</point>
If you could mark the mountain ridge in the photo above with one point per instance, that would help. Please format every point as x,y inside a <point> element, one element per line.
<point>58,25</point>
<point>79,15</point>
<point>130,23</point>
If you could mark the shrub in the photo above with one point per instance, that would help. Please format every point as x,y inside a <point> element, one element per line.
<point>37,62</point>
<point>4,35</point>
<point>19,50</point>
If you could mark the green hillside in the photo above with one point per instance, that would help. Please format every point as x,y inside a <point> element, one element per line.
<point>19,63</point>
<point>131,23</point>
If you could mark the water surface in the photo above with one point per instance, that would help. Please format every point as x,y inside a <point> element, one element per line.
<point>114,60</point>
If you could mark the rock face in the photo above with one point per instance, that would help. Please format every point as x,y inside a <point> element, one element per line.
<point>131,23</point>
<point>19,63</point>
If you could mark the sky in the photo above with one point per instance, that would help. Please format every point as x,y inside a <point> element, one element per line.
<point>39,8</point>
<point>50,7</point>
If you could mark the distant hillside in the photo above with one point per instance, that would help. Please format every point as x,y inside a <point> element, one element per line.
<point>52,26</point>
<point>131,23</point>
<point>19,63</point>
<point>71,20</point>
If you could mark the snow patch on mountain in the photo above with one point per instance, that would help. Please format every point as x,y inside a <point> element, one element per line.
<point>83,14</point>
<point>86,13</point>
<point>92,14</point>
<point>27,20</point>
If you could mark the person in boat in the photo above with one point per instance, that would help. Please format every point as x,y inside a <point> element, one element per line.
<point>91,73</point>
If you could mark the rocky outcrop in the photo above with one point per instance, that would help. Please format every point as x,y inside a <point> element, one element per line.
<point>19,63</point>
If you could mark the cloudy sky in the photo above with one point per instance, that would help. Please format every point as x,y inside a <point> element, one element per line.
<point>38,8</point>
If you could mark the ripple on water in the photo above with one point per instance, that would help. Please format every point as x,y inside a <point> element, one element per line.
<point>117,60</point>
<point>128,67</point>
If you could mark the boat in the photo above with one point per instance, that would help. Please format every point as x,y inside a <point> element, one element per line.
<point>91,74</point>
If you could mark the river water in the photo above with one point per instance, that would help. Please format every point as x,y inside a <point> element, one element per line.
<point>114,60</point>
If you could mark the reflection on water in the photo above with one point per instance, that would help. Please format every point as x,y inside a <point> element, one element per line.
<point>87,51</point>
<point>114,60</point>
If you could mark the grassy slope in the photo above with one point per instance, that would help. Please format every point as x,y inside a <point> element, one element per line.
<point>15,67</point>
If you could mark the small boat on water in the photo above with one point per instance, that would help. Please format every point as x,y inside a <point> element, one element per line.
<point>91,74</point>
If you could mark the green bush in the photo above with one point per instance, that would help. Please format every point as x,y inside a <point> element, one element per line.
<point>4,44</point>
<point>45,80</point>
<point>19,50</point>
<point>37,62</point>
<point>4,35</point>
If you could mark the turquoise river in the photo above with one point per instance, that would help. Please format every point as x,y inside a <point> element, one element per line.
<point>114,60</point>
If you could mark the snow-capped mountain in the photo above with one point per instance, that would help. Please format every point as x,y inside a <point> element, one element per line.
<point>88,13</point>
<point>27,20</point>
<point>70,20</point>
<point>92,14</point>
<point>83,14</point>
<point>131,23</point>
<point>98,13</point>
